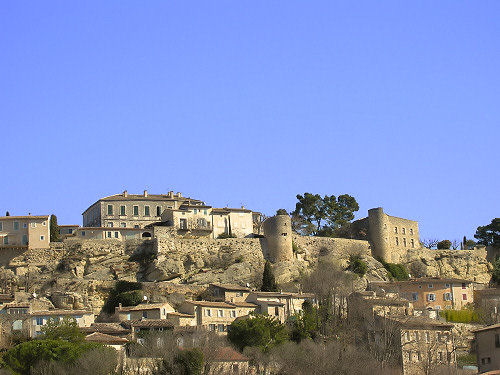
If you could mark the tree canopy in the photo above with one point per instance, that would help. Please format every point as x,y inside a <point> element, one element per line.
<point>316,215</point>
<point>489,235</point>
<point>261,331</point>
<point>54,229</point>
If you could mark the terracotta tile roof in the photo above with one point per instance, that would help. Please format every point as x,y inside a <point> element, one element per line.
<point>105,339</point>
<point>487,328</point>
<point>419,322</point>
<point>108,328</point>
<point>422,280</point>
<point>24,217</point>
<point>17,305</point>
<point>181,315</point>
<point>143,307</point>
<point>148,323</point>
<point>60,312</point>
<point>68,225</point>
<point>226,305</point>
<point>283,294</point>
<point>232,287</point>
<point>243,304</point>
<point>228,354</point>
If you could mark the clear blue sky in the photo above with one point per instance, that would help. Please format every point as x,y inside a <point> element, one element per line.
<point>251,102</point>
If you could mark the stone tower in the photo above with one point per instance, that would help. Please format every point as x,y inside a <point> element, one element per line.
<point>278,232</point>
<point>378,225</point>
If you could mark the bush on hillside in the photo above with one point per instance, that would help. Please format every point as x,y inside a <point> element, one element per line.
<point>444,245</point>
<point>125,292</point>
<point>395,271</point>
<point>357,265</point>
<point>460,316</point>
<point>225,235</point>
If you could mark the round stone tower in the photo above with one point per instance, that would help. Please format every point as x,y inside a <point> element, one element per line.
<point>378,227</point>
<point>278,232</point>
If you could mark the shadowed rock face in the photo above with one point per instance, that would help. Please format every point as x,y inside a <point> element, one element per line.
<point>75,273</point>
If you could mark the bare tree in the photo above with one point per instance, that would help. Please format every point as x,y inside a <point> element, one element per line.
<point>455,244</point>
<point>429,243</point>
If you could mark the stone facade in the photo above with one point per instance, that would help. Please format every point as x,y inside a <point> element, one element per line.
<point>31,232</point>
<point>278,232</point>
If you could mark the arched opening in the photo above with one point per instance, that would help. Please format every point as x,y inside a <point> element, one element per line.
<point>146,235</point>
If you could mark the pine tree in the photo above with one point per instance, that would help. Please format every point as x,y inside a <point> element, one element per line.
<point>54,229</point>
<point>268,280</point>
<point>7,213</point>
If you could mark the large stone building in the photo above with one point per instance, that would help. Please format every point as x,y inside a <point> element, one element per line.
<point>184,214</point>
<point>488,348</point>
<point>390,236</point>
<point>32,232</point>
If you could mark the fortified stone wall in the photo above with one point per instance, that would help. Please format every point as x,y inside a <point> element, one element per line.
<point>278,233</point>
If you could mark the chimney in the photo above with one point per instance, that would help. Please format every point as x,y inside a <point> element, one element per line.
<point>179,194</point>
<point>242,207</point>
<point>170,194</point>
<point>145,193</point>
<point>119,306</point>
<point>125,193</point>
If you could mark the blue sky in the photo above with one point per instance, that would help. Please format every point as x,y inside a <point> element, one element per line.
<point>253,102</point>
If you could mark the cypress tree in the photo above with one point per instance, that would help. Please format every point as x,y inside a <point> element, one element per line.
<point>268,280</point>
<point>7,213</point>
<point>54,229</point>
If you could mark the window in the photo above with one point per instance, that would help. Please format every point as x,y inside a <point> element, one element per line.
<point>404,242</point>
<point>25,225</point>
<point>419,356</point>
<point>44,223</point>
<point>25,239</point>
<point>414,296</point>
<point>136,226</point>
<point>33,225</point>
<point>431,297</point>
<point>6,240</point>
<point>416,336</point>
<point>276,311</point>
<point>464,297</point>
<point>123,225</point>
<point>110,225</point>
<point>396,230</point>
<point>42,238</point>
<point>146,210</point>
<point>497,340</point>
<point>440,356</point>
<point>404,230</point>
<point>220,328</point>
<point>144,314</point>
<point>239,294</point>
<point>136,210</point>
<point>447,296</point>
<point>195,211</point>
<point>83,233</point>
<point>1,226</point>
<point>158,211</point>
<point>70,231</point>
<point>38,320</point>
<point>233,313</point>
<point>463,286</point>
<point>109,234</point>
<point>412,242</point>
<point>122,211</point>
<point>411,231</point>
<point>220,313</point>
<point>446,285</point>
<point>110,209</point>
<point>116,234</point>
<point>205,212</point>
<point>407,336</point>
<point>397,241</point>
<point>427,337</point>
<point>211,327</point>
<point>164,312</point>
<point>16,225</point>
<point>208,312</point>
<point>431,286</point>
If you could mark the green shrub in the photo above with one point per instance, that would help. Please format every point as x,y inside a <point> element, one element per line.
<point>395,271</point>
<point>460,316</point>
<point>495,273</point>
<point>225,235</point>
<point>125,292</point>
<point>469,359</point>
<point>357,265</point>
<point>239,259</point>
<point>444,245</point>
<point>295,248</point>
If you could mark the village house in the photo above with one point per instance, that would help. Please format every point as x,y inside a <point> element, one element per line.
<point>139,328</point>
<point>366,305</point>
<point>431,292</point>
<point>144,311</point>
<point>229,292</point>
<point>487,301</point>
<point>117,343</point>
<point>109,328</point>
<point>229,361</point>
<point>216,316</point>
<point>120,234</point>
<point>181,320</point>
<point>273,303</point>
<point>66,231</point>
<point>32,232</point>
<point>488,348</point>
<point>38,319</point>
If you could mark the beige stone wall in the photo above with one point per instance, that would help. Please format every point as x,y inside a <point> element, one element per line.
<point>278,232</point>
<point>33,232</point>
<point>488,356</point>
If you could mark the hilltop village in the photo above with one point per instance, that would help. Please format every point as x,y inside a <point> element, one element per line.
<point>148,263</point>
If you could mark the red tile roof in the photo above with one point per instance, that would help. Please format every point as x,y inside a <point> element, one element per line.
<point>228,354</point>
<point>105,339</point>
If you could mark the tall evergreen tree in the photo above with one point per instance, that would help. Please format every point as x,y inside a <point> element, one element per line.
<point>7,213</point>
<point>54,229</point>
<point>268,280</point>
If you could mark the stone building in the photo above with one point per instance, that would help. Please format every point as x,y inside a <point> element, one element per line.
<point>390,236</point>
<point>431,292</point>
<point>66,231</point>
<point>38,319</point>
<point>133,211</point>
<point>488,348</point>
<point>32,232</point>
<point>144,311</point>
<point>103,233</point>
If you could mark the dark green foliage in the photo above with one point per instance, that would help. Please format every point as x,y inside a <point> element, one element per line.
<point>54,229</point>
<point>7,213</point>
<point>281,211</point>
<point>295,248</point>
<point>495,273</point>
<point>304,325</point>
<point>21,358</point>
<point>460,316</point>
<point>268,280</point>
<point>395,271</point>
<point>469,359</point>
<point>225,235</point>
<point>489,235</point>
<point>315,215</point>
<point>357,265</point>
<point>66,330</point>
<point>444,245</point>
<point>125,292</point>
<point>469,244</point>
<point>189,362</point>
<point>239,259</point>
<point>260,331</point>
